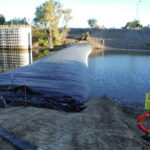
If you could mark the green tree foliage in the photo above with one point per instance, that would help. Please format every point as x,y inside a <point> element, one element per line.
<point>40,55</point>
<point>92,23</point>
<point>39,36</point>
<point>17,21</point>
<point>135,24</point>
<point>2,19</point>
<point>48,17</point>
<point>66,19</point>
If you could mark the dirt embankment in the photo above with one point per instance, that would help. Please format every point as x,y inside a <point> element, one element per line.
<point>104,125</point>
<point>113,38</point>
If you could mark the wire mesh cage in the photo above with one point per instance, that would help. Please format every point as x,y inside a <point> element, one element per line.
<point>15,47</point>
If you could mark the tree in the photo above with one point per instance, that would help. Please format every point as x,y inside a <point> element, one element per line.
<point>2,19</point>
<point>48,16</point>
<point>66,18</point>
<point>17,21</point>
<point>135,24</point>
<point>92,23</point>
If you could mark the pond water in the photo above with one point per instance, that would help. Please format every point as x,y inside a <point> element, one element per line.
<point>121,75</point>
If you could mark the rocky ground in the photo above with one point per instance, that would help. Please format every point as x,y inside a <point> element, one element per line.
<point>103,125</point>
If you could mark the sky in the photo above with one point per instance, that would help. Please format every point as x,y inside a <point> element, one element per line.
<point>108,13</point>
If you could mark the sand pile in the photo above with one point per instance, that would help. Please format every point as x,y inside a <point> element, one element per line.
<point>104,125</point>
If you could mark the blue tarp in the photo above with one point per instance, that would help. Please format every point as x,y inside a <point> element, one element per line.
<point>61,80</point>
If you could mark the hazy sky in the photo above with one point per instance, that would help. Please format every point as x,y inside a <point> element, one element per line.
<point>110,13</point>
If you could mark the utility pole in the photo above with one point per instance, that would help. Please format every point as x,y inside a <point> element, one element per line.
<point>137,9</point>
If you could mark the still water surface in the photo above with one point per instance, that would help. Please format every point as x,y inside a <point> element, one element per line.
<point>122,76</point>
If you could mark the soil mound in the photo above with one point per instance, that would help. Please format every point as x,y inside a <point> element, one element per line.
<point>104,125</point>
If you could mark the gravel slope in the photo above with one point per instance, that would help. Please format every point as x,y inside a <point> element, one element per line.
<point>104,125</point>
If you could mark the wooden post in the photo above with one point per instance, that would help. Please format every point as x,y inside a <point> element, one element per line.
<point>25,93</point>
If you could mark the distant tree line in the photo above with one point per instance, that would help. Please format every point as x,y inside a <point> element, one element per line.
<point>14,21</point>
<point>2,19</point>
<point>17,21</point>
<point>135,24</point>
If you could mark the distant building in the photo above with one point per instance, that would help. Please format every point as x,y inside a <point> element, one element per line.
<point>15,47</point>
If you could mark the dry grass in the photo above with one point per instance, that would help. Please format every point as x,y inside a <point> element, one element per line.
<point>97,46</point>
